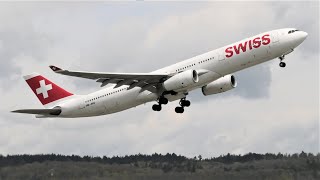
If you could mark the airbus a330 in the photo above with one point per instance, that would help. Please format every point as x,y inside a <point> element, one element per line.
<point>211,72</point>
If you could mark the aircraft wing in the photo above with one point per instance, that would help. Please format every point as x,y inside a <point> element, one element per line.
<point>39,111</point>
<point>147,81</point>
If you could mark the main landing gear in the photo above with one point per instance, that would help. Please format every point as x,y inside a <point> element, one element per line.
<point>183,103</point>
<point>179,109</point>
<point>282,64</point>
<point>161,100</point>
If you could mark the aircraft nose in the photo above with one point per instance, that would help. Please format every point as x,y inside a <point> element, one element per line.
<point>304,35</point>
<point>300,36</point>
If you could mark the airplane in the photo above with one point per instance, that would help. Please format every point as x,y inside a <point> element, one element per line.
<point>211,72</point>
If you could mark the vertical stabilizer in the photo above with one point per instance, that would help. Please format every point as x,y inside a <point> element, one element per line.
<point>46,91</point>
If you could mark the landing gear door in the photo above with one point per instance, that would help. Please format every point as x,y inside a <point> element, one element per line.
<point>275,37</point>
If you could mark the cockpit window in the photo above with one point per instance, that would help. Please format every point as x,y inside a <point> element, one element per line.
<point>292,31</point>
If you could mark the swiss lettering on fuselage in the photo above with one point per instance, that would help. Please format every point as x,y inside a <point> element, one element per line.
<point>248,45</point>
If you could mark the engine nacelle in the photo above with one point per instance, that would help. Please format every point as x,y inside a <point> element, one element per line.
<point>222,84</point>
<point>181,80</point>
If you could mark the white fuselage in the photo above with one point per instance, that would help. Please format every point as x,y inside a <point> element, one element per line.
<point>216,64</point>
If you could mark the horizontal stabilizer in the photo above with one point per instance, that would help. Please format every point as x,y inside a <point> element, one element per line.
<point>39,111</point>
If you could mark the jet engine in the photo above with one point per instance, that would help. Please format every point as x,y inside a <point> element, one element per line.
<point>181,80</point>
<point>220,85</point>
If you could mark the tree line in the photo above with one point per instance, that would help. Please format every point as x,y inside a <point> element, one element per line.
<point>250,166</point>
<point>19,159</point>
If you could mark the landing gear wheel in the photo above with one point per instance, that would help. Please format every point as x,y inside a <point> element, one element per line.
<point>179,110</point>
<point>185,103</point>
<point>156,107</point>
<point>282,64</point>
<point>163,100</point>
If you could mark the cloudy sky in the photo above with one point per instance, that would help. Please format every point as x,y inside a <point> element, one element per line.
<point>272,109</point>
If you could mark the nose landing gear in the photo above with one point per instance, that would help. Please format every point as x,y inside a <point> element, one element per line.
<point>282,64</point>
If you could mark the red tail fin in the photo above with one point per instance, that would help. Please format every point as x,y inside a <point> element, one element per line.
<point>44,89</point>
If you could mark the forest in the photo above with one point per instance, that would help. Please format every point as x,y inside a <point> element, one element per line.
<point>157,166</point>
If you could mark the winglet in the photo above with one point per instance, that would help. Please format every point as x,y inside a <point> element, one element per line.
<point>55,68</point>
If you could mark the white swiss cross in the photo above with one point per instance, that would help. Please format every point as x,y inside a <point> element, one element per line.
<point>43,89</point>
